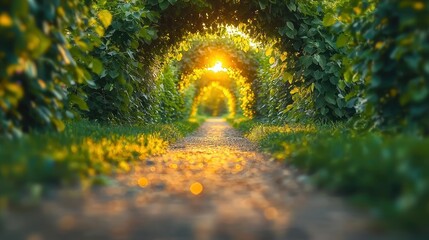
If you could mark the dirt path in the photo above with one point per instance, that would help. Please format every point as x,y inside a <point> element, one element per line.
<point>244,195</point>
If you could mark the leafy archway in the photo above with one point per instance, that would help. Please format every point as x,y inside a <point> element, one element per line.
<point>228,78</point>
<point>100,59</point>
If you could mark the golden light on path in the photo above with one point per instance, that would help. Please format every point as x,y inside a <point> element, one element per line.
<point>196,188</point>
<point>217,67</point>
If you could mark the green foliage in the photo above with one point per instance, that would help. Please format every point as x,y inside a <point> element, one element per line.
<point>123,88</point>
<point>243,124</point>
<point>386,174</point>
<point>171,102</point>
<point>36,65</point>
<point>326,59</point>
<point>392,56</point>
<point>312,70</point>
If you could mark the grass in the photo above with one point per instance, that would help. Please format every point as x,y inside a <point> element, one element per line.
<point>388,174</point>
<point>85,152</point>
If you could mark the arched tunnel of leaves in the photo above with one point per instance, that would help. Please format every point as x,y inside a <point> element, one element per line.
<point>363,64</point>
<point>118,81</point>
<point>108,59</point>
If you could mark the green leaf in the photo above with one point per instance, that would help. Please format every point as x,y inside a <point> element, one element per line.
<point>74,99</point>
<point>291,33</point>
<point>312,32</point>
<point>342,41</point>
<point>324,111</point>
<point>330,100</point>
<point>37,43</point>
<point>164,5</point>
<point>321,60</point>
<point>291,6</point>
<point>306,61</point>
<point>318,75</point>
<point>96,66</point>
<point>329,20</point>
<point>262,5</point>
<point>426,67</point>
<point>288,77</point>
<point>338,112</point>
<point>290,25</point>
<point>105,17</point>
<point>341,85</point>
<point>59,125</point>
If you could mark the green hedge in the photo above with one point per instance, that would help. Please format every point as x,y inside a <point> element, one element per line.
<point>85,151</point>
<point>386,174</point>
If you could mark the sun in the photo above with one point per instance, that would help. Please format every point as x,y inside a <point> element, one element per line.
<point>217,67</point>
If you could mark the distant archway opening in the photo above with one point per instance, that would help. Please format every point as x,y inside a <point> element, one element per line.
<point>209,101</point>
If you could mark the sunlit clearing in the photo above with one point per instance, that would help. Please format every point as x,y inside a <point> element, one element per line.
<point>196,188</point>
<point>217,67</point>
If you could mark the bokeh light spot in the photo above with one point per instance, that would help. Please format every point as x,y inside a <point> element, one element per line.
<point>196,188</point>
<point>143,182</point>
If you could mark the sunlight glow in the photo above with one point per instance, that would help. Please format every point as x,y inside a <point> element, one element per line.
<point>217,67</point>
<point>234,31</point>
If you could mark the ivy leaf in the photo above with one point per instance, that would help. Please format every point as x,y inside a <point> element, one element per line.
<point>318,75</point>
<point>291,33</point>
<point>312,32</point>
<point>324,111</point>
<point>306,61</point>
<point>59,125</point>
<point>288,77</point>
<point>329,20</point>
<point>268,52</point>
<point>105,17</point>
<point>262,5</point>
<point>290,25</point>
<point>79,102</point>
<point>338,112</point>
<point>164,5</point>
<point>291,6</point>
<point>426,67</point>
<point>341,85</point>
<point>321,60</point>
<point>294,91</point>
<point>283,56</point>
<point>312,87</point>
<point>342,41</point>
<point>96,66</point>
<point>330,100</point>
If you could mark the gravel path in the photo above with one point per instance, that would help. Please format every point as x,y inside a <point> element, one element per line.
<point>211,185</point>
